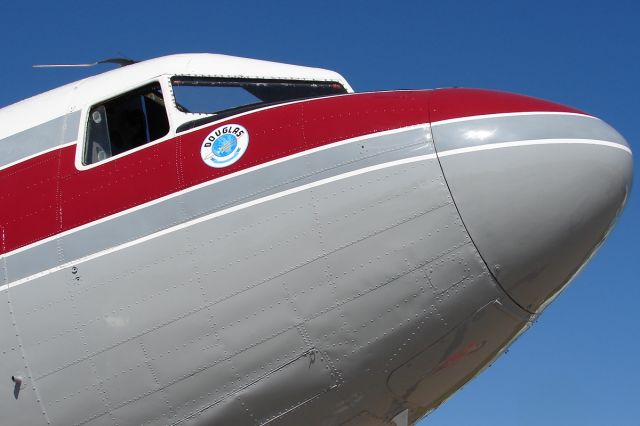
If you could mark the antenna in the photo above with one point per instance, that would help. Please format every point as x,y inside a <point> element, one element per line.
<point>123,62</point>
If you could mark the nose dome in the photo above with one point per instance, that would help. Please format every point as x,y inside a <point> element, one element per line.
<point>537,190</point>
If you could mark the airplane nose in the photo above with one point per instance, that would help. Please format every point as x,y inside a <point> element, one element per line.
<point>538,192</point>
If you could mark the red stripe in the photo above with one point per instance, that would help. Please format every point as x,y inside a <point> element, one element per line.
<point>455,103</point>
<point>47,195</point>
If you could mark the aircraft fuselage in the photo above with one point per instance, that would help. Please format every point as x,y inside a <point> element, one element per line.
<point>335,260</point>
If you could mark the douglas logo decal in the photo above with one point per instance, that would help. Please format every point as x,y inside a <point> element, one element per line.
<point>225,145</point>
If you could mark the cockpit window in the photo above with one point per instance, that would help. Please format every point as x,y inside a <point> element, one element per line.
<point>208,99</point>
<point>126,122</point>
<point>222,96</point>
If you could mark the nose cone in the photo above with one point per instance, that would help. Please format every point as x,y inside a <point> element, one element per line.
<point>537,190</point>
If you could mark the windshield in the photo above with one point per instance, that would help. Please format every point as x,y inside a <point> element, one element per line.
<point>223,96</point>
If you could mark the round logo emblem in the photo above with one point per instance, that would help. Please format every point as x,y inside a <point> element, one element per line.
<point>225,145</point>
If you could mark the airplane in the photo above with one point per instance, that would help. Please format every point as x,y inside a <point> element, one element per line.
<point>202,239</point>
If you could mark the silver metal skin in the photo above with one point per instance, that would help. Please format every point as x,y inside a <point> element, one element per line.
<point>346,297</point>
<point>536,212</point>
<point>46,136</point>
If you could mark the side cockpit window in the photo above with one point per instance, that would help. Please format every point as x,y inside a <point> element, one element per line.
<point>124,123</point>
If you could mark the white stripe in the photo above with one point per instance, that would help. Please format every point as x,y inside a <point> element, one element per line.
<point>508,114</point>
<point>299,189</point>
<point>212,182</point>
<point>488,147</point>
<point>222,213</point>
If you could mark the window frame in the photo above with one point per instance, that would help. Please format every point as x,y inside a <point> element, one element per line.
<point>82,143</point>
<point>201,119</point>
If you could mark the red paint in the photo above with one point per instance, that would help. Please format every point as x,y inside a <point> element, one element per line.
<point>456,103</point>
<point>46,195</point>
<point>459,355</point>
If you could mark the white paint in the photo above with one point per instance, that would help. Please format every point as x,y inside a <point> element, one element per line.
<point>508,114</point>
<point>535,142</point>
<point>72,97</point>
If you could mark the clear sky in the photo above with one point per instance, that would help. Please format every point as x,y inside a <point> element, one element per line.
<point>580,363</point>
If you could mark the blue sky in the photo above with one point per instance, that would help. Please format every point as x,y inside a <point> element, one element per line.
<point>579,363</point>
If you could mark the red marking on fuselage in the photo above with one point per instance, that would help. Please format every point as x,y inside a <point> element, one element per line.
<point>47,195</point>
<point>459,355</point>
<point>456,103</point>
